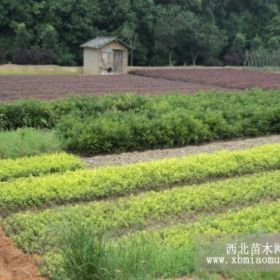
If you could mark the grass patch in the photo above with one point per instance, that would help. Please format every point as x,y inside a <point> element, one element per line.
<point>40,73</point>
<point>85,254</point>
<point>28,142</point>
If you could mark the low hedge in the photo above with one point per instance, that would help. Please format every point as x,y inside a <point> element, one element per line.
<point>167,253</point>
<point>35,166</point>
<point>257,219</point>
<point>33,230</point>
<point>89,185</point>
<point>93,125</point>
<point>260,218</point>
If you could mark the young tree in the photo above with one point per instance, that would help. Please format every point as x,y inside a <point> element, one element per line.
<point>166,29</point>
<point>129,35</point>
<point>200,37</point>
<point>23,37</point>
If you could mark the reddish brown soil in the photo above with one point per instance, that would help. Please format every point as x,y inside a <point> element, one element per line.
<point>50,87</point>
<point>14,264</point>
<point>227,78</point>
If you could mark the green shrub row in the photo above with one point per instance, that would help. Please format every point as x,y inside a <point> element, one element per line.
<point>28,142</point>
<point>260,218</point>
<point>33,230</point>
<point>86,185</point>
<point>121,123</point>
<point>257,219</point>
<point>160,254</point>
<point>35,166</point>
<point>162,123</point>
<point>45,114</point>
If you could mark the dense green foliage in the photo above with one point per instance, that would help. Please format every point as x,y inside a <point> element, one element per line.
<point>108,124</point>
<point>33,231</point>
<point>37,165</point>
<point>27,142</point>
<point>161,31</point>
<point>104,182</point>
<point>172,121</point>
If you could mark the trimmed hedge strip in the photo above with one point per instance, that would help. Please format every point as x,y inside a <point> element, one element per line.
<point>33,230</point>
<point>35,166</point>
<point>88,185</point>
<point>260,218</point>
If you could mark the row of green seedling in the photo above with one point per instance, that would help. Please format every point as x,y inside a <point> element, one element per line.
<point>88,185</point>
<point>33,231</point>
<point>38,165</point>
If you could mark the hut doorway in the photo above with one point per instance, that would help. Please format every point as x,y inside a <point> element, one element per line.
<point>118,61</point>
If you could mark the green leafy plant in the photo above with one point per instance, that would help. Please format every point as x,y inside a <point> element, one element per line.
<point>33,231</point>
<point>87,185</point>
<point>37,165</point>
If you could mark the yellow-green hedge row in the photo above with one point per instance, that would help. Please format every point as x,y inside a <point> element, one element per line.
<point>33,230</point>
<point>38,165</point>
<point>180,240</point>
<point>87,185</point>
<point>263,217</point>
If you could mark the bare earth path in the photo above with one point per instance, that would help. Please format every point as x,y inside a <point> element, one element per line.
<point>14,264</point>
<point>150,155</point>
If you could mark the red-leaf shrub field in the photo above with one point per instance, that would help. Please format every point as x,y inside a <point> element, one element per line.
<point>143,81</point>
<point>51,87</point>
<point>227,78</point>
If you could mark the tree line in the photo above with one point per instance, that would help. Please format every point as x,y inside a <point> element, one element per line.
<point>161,32</point>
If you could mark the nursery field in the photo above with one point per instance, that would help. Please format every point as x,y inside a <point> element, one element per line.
<point>62,219</point>
<point>148,213</point>
<point>52,87</point>
<point>227,78</point>
<point>90,126</point>
<point>157,81</point>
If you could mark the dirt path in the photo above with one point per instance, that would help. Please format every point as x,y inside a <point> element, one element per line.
<point>150,155</point>
<point>14,264</point>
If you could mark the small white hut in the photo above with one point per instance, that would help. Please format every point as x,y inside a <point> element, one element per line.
<point>105,55</point>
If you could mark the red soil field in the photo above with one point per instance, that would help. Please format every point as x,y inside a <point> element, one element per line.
<point>157,81</point>
<point>228,78</point>
<point>50,87</point>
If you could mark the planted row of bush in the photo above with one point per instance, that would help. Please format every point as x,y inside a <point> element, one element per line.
<point>260,218</point>
<point>89,185</point>
<point>163,123</point>
<point>92,125</point>
<point>46,114</point>
<point>33,230</point>
<point>35,166</point>
<point>179,241</point>
<point>161,254</point>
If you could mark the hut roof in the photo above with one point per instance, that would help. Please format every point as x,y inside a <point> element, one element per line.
<point>100,42</point>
